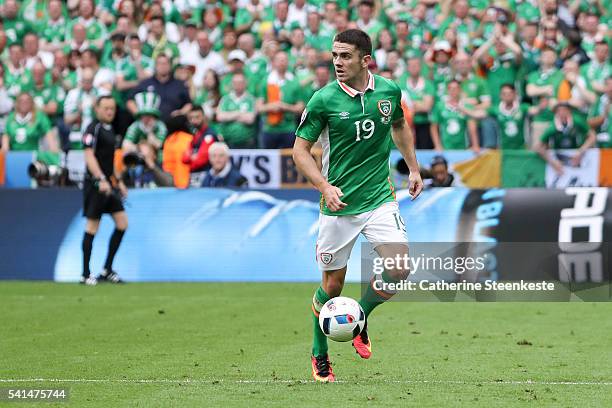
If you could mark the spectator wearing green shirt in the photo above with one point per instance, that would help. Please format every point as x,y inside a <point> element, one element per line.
<point>502,57</point>
<point>236,115</point>
<point>279,101</point>
<point>158,42</point>
<point>14,27</point>
<point>543,87</point>
<point>48,97</point>
<point>26,127</point>
<point>53,34</point>
<point>599,68</point>
<point>96,32</point>
<point>147,128</point>
<point>419,94</point>
<point>477,94</point>
<point>321,78</point>
<point>567,131</point>
<point>530,49</point>
<point>461,22</point>
<point>236,61</point>
<point>367,20</point>
<point>256,64</point>
<point>316,37</point>
<point>511,115</point>
<point>581,96</point>
<point>450,119</point>
<point>16,75</point>
<point>600,117</point>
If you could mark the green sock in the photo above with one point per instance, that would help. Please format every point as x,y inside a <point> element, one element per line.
<point>319,345</point>
<point>372,298</point>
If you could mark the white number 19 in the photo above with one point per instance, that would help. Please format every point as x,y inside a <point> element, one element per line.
<point>367,126</point>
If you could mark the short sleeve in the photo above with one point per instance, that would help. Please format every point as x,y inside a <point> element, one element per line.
<point>312,122</point>
<point>398,112</point>
<point>89,137</point>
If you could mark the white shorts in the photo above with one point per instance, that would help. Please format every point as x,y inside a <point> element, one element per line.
<point>338,233</point>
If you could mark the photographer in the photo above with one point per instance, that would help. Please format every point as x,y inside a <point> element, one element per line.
<point>143,171</point>
<point>100,196</point>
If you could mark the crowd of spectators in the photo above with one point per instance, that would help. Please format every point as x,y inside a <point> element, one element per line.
<point>507,74</point>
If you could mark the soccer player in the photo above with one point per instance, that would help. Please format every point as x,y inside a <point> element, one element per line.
<point>100,142</point>
<point>355,118</point>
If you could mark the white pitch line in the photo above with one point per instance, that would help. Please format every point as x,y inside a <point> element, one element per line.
<point>281,381</point>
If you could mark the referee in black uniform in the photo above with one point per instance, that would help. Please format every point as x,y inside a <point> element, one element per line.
<point>100,197</point>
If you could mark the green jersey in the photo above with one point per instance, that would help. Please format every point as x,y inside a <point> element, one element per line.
<point>137,132</point>
<point>604,132</point>
<point>553,78</point>
<point>475,89</point>
<point>355,132</point>
<point>290,92</point>
<point>511,124</point>
<point>17,80</point>
<point>54,32</point>
<point>503,71</point>
<point>570,137</point>
<point>451,124</point>
<point>49,92</point>
<point>595,72</point>
<point>237,133</point>
<point>14,29</point>
<point>25,133</point>
<point>416,92</point>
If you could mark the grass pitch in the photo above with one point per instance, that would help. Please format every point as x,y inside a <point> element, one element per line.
<point>200,345</point>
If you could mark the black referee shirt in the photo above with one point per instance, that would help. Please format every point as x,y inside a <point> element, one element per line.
<point>103,140</point>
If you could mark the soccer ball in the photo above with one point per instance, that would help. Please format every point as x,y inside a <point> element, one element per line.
<point>341,318</point>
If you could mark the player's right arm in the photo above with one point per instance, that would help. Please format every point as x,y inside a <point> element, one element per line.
<point>91,162</point>
<point>311,125</point>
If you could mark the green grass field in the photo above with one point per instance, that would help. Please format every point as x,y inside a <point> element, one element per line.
<point>200,345</point>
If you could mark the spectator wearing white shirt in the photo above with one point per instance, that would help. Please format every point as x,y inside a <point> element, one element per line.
<point>206,59</point>
<point>188,48</point>
<point>298,12</point>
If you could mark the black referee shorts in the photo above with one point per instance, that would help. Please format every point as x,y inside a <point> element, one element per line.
<point>95,203</point>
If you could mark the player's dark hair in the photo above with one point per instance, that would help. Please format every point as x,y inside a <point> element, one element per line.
<point>103,97</point>
<point>360,39</point>
<point>508,85</point>
<point>196,108</point>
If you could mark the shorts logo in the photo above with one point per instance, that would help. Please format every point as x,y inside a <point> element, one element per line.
<point>326,258</point>
<point>384,106</point>
<point>344,115</point>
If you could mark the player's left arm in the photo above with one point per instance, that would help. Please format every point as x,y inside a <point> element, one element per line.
<point>404,140</point>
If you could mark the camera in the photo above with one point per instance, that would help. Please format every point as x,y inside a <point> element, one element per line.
<point>48,175</point>
<point>133,159</point>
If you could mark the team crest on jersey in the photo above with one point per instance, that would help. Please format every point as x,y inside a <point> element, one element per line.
<point>384,106</point>
<point>326,258</point>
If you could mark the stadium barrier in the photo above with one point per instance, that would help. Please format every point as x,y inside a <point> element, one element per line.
<point>226,235</point>
<point>274,169</point>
